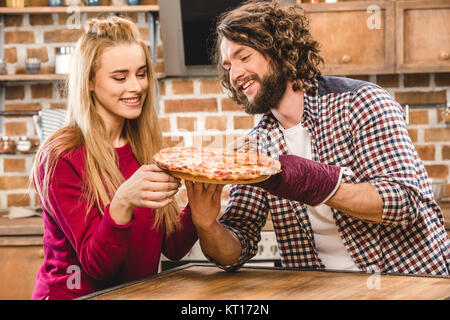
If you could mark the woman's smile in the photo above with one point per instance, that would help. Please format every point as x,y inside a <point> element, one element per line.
<point>132,102</point>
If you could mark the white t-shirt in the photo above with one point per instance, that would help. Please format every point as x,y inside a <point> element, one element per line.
<point>328,242</point>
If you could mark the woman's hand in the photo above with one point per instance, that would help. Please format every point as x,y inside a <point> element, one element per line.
<point>204,201</point>
<point>149,187</point>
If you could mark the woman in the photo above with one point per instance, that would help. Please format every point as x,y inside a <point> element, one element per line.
<point>109,213</point>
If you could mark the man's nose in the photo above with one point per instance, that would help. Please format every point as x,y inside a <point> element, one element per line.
<point>236,72</point>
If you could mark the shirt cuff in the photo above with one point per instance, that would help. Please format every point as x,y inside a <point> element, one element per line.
<point>242,259</point>
<point>112,232</point>
<point>397,206</point>
<point>334,190</point>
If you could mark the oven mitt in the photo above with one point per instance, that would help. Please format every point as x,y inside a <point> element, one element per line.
<point>303,180</point>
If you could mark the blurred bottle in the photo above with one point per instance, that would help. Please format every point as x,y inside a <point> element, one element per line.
<point>23,145</point>
<point>62,60</point>
<point>55,3</point>
<point>7,145</point>
<point>17,3</point>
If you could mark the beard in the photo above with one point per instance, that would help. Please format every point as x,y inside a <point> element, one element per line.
<point>272,88</point>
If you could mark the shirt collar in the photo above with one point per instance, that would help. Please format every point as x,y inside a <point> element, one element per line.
<point>268,131</point>
<point>268,121</point>
<point>310,108</point>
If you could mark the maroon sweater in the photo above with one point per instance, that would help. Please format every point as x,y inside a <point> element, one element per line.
<point>87,251</point>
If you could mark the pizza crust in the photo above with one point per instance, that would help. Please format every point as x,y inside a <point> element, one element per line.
<point>219,166</point>
<point>190,177</point>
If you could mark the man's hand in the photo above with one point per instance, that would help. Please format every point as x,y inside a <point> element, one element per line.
<point>204,201</point>
<point>216,241</point>
<point>303,180</point>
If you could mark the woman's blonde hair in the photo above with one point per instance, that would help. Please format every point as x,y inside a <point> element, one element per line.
<point>86,128</point>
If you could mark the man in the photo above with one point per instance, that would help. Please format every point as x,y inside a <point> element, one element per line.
<point>353,193</point>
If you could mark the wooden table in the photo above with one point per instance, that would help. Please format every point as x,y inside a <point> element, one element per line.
<point>206,282</point>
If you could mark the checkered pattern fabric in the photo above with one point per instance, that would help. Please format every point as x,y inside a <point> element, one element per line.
<point>355,125</point>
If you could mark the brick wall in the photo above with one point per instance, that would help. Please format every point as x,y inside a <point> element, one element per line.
<point>192,110</point>
<point>27,36</point>
<point>197,110</point>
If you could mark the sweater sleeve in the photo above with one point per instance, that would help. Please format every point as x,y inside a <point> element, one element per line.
<point>100,243</point>
<point>178,244</point>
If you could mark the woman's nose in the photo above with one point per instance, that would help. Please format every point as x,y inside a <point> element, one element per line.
<point>134,84</point>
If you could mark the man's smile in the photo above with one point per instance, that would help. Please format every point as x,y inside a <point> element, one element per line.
<point>246,84</point>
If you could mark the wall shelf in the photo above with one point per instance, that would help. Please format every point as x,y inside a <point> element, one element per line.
<point>151,11</point>
<point>84,9</point>
<point>47,77</point>
<point>32,77</point>
<point>18,113</point>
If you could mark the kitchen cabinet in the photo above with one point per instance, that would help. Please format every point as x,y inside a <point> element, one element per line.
<point>423,36</point>
<point>21,255</point>
<point>356,38</point>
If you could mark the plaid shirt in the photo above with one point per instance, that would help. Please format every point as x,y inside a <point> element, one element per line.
<point>358,126</point>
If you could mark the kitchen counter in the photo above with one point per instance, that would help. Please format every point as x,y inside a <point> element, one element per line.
<point>207,282</point>
<point>32,229</point>
<point>35,225</point>
<point>21,226</point>
<point>21,255</point>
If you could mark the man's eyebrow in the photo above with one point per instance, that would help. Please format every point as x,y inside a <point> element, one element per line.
<point>126,70</point>
<point>238,51</point>
<point>234,54</point>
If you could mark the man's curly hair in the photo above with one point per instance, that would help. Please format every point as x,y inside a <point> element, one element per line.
<point>281,33</point>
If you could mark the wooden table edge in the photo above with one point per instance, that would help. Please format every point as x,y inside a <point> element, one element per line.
<point>154,276</point>
<point>189,265</point>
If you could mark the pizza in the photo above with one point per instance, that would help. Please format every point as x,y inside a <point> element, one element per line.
<point>215,165</point>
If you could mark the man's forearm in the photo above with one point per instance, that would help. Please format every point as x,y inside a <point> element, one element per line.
<point>220,243</point>
<point>360,200</point>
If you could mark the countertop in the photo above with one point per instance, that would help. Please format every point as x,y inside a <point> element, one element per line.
<point>21,232</point>
<point>35,225</point>
<point>207,282</point>
<point>21,226</point>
